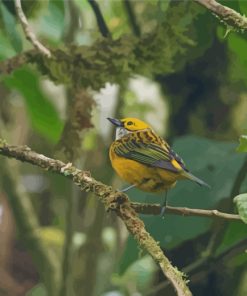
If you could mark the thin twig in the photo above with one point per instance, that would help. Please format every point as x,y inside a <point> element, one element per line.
<point>132,18</point>
<point>113,200</point>
<point>226,14</point>
<point>28,32</point>
<point>155,209</point>
<point>100,19</point>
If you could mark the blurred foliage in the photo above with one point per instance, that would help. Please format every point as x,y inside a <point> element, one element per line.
<point>60,105</point>
<point>209,164</point>
<point>43,115</point>
<point>234,233</point>
<point>115,60</point>
<point>30,8</point>
<point>241,202</point>
<point>38,290</point>
<point>9,24</point>
<point>138,277</point>
<point>243,144</point>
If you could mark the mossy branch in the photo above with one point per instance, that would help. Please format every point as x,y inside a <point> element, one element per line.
<point>227,15</point>
<point>114,60</point>
<point>111,199</point>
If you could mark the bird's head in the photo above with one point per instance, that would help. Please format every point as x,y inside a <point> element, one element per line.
<point>128,125</point>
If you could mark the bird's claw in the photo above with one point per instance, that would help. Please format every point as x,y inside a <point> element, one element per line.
<point>162,211</point>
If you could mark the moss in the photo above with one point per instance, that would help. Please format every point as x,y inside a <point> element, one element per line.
<point>113,61</point>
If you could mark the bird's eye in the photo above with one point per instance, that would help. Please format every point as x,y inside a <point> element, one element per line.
<point>129,123</point>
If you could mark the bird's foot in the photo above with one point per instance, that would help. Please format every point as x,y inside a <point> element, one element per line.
<point>162,211</point>
<point>127,188</point>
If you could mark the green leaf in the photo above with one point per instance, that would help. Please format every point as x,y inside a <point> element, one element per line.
<point>241,202</point>
<point>139,274</point>
<point>243,7</point>
<point>52,24</point>
<point>9,23</point>
<point>38,290</point>
<point>6,49</point>
<point>41,111</point>
<point>129,256</point>
<point>243,144</point>
<point>235,232</point>
<point>237,46</point>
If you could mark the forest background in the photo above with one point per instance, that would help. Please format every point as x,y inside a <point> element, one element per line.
<point>178,65</point>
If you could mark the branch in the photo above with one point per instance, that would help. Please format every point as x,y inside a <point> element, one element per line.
<point>155,209</point>
<point>112,200</point>
<point>226,14</point>
<point>11,64</point>
<point>28,32</point>
<point>100,19</point>
<point>132,18</point>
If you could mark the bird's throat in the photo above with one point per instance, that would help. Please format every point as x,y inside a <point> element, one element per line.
<point>121,132</point>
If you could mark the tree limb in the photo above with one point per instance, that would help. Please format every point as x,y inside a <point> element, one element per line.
<point>155,209</point>
<point>11,64</point>
<point>28,32</point>
<point>132,18</point>
<point>226,14</point>
<point>100,19</point>
<point>112,200</point>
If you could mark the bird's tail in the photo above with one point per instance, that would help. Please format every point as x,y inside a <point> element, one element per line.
<point>191,177</point>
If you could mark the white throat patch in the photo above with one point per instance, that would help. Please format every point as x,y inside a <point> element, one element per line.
<point>121,132</point>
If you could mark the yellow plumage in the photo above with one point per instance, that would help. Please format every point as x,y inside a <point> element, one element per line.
<point>142,158</point>
<point>144,177</point>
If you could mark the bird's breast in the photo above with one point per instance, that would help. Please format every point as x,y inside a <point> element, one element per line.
<point>145,177</point>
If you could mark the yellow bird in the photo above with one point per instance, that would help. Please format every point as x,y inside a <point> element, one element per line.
<point>144,159</point>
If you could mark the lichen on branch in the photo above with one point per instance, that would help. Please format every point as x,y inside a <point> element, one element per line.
<point>113,200</point>
<point>160,51</point>
<point>228,15</point>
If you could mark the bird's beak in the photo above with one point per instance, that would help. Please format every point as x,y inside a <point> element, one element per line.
<point>115,121</point>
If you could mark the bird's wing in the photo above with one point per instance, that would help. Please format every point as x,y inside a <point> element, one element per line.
<point>151,154</point>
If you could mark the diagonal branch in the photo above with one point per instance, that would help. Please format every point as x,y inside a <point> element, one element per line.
<point>100,19</point>
<point>28,32</point>
<point>112,200</point>
<point>155,209</point>
<point>132,18</point>
<point>226,14</point>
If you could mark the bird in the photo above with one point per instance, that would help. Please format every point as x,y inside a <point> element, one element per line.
<point>145,160</point>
